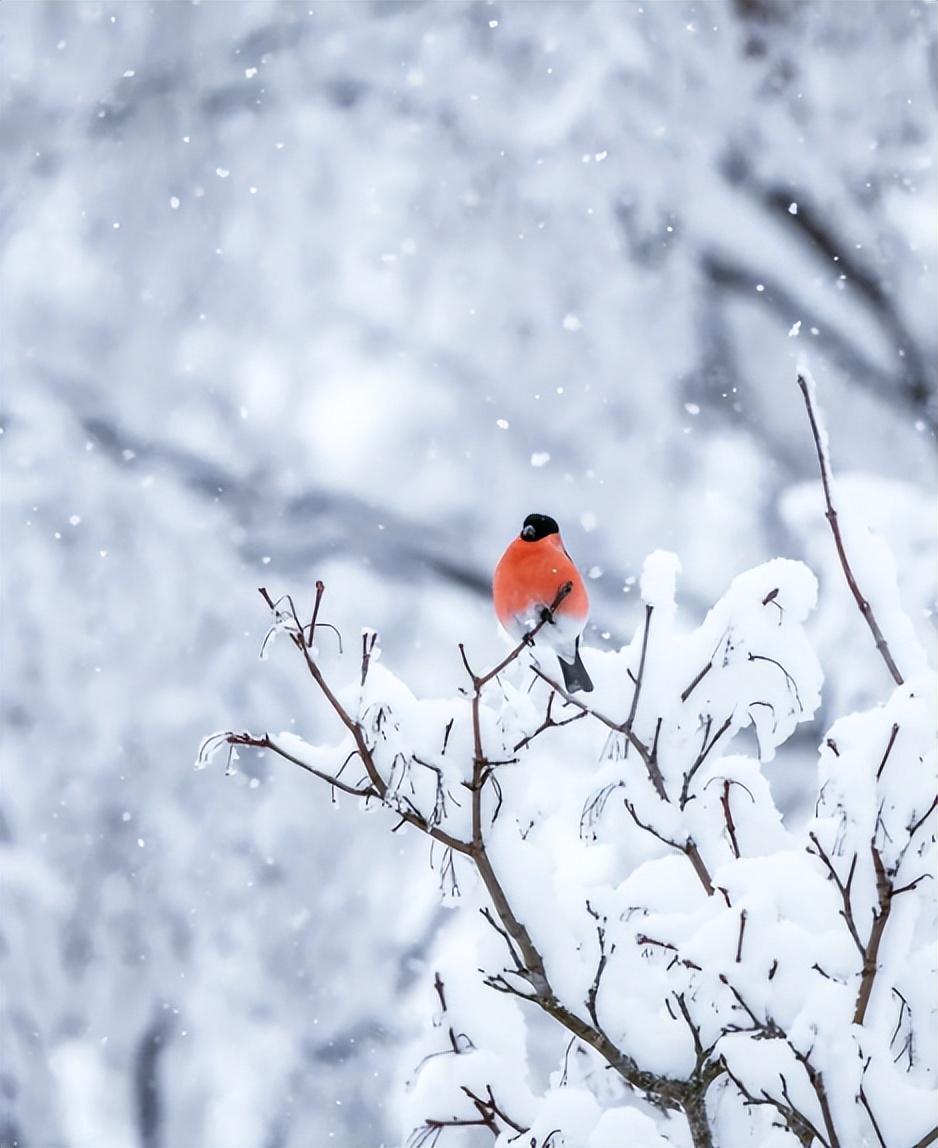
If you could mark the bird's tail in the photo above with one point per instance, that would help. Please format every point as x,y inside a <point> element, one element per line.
<point>575,677</point>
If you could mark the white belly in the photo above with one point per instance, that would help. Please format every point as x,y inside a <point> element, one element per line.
<point>559,635</point>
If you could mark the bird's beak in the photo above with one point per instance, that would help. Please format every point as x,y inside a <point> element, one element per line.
<point>528,533</point>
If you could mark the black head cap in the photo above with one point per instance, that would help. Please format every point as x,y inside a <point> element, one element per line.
<point>537,526</point>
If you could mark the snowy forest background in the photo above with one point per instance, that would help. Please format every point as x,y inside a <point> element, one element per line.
<point>343,291</point>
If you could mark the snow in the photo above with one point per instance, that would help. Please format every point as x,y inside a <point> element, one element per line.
<point>659,579</point>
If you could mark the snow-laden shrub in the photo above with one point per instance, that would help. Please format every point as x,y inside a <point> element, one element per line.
<point>619,869</point>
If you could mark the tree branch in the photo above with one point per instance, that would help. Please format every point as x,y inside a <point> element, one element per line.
<point>547,723</point>
<point>831,515</point>
<point>689,848</point>
<point>884,892</point>
<point>702,756</point>
<point>844,889</point>
<point>633,709</point>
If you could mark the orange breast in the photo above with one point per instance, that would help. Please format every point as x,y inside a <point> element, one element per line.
<point>531,573</point>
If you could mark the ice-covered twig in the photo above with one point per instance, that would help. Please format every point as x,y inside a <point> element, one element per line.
<point>806,383</point>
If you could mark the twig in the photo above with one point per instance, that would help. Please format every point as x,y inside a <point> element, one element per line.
<point>519,964</point>
<point>844,889</point>
<point>320,590</point>
<point>884,892</point>
<point>593,991</point>
<point>368,645</point>
<point>267,742</point>
<point>892,741</point>
<point>636,692</point>
<point>702,756</point>
<point>378,783</point>
<point>689,848</point>
<point>743,917</point>
<point>831,515</point>
<point>643,939</point>
<point>869,1111</point>
<point>728,817</point>
<point>688,690</point>
<point>820,1091</point>
<point>790,681</point>
<point>547,723</point>
<point>913,829</point>
<point>703,873</point>
<point>774,1031</point>
<point>490,1105</point>
<point>651,764</point>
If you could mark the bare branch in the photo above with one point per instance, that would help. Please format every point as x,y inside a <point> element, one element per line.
<point>884,892</point>
<point>831,515</point>
<point>378,787</point>
<point>743,917</point>
<point>790,681</point>
<point>728,817</point>
<point>548,723</point>
<point>644,753</point>
<point>702,756</point>
<point>266,742</point>
<point>490,1107</point>
<point>913,829</point>
<point>368,644</point>
<point>892,741</point>
<point>636,693</point>
<point>844,889</point>
<point>703,873</point>
<point>869,1111</point>
<point>593,992</point>
<point>527,640</point>
<point>773,1031</point>
<point>643,939</point>
<point>688,690</point>
<point>688,848</point>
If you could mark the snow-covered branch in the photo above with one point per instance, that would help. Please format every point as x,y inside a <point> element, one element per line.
<point>621,868</point>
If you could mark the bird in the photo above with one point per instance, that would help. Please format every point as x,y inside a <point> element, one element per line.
<point>527,580</point>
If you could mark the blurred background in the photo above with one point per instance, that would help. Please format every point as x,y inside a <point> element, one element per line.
<point>344,291</point>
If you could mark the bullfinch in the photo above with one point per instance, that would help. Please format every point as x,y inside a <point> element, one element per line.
<point>527,578</point>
